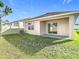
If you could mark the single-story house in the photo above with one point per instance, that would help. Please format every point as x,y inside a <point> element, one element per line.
<point>12,27</point>
<point>55,23</point>
<point>17,24</point>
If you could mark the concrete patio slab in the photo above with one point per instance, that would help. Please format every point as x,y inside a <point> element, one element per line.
<point>55,36</point>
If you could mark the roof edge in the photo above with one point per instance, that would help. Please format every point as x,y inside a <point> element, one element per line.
<point>62,14</point>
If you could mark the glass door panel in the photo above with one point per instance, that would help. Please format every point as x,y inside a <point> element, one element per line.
<point>52,28</point>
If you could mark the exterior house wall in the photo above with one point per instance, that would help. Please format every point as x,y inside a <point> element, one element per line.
<point>43,27</point>
<point>65,26</point>
<point>62,26</point>
<point>13,26</point>
<point>36,30</point>
<point>72,20</point>
<point>20,25</point>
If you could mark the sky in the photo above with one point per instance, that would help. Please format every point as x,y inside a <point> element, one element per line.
<point>31,8</point>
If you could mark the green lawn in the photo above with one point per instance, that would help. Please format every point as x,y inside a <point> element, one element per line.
<point>25,46</point>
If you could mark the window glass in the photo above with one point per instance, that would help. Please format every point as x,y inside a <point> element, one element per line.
<point>31,26</point>
<point>52,28</point>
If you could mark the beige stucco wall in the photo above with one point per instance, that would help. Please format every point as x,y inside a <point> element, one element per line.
<point>65,26</point>
<point>36,30</point>
<point>21,25</point>
<point>72,19</point>
<point>41,27</point>
<point>62,26</point>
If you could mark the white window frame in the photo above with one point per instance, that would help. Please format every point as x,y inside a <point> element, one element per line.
<point>31,26</point>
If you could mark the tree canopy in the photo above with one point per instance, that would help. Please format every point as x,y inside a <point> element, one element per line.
<point>1,4</point>
<point>77,24</point>
<point>5,10</point>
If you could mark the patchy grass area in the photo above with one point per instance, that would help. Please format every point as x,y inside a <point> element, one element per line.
<point>25,46</point>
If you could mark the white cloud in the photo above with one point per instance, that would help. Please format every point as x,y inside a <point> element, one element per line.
<point>66,1</point>
<point>69,1</point>
<point>11,2</point>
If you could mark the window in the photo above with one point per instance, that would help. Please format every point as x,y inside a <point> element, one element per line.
<point>52,28</point>
<point>16,23</point>
<point>31,26</point>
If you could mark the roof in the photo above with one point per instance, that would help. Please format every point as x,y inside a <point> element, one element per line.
<point>48,14</point>
<point>54,13</point>
<point>21,20</point>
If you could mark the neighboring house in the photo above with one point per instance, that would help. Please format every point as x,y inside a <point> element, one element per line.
<point>77,26</point>
<point>56,23</point>
<point>17,24</point>
<point>12,27</point>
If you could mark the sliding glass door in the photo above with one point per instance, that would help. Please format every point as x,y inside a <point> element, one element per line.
<point>52,28</point>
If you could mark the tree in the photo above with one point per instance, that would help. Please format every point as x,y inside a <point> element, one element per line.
<point>1,4</point>
<point>77,24</point>
<point>4,10</point>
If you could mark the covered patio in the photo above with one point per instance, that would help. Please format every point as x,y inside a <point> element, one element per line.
<point>58,27</point>
<point>54,24</point>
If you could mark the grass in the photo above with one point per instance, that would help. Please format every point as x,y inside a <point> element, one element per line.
<point>26,46</point>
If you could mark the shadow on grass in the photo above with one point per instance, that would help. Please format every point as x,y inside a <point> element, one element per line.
<point>77,32</point>
<point>30,44</point>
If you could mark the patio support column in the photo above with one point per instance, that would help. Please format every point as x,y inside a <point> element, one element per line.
<point>71,26</point>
